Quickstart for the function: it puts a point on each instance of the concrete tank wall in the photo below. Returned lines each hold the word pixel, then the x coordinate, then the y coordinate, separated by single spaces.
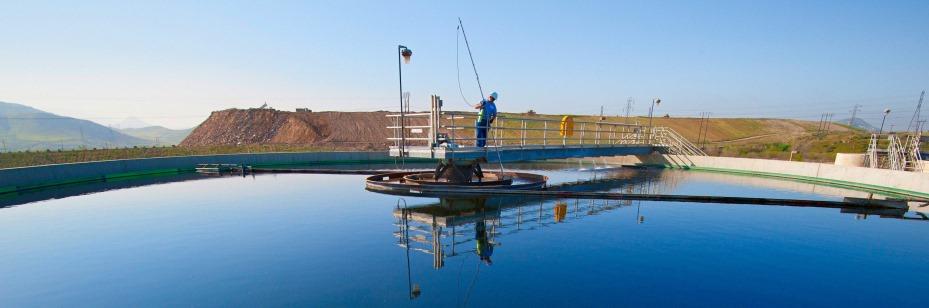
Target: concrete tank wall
pixel 903 182
pixel 849 159
pixel 16 178
pixel 915 182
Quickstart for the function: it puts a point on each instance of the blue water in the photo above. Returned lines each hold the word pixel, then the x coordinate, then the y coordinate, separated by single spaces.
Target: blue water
pixel 322 240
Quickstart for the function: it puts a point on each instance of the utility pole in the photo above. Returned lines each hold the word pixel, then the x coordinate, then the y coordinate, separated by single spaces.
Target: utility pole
pixel 825 124
pixel 702 127
pixel 819 126
pixel 915 118
pixel 851 122
pixel 706 127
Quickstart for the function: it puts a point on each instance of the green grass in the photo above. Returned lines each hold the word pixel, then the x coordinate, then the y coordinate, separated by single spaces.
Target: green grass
pixel 809 148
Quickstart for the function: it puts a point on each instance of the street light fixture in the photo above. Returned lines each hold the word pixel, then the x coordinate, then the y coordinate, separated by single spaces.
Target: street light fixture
pixel 404 53
pixel 886 112
pixel 655 101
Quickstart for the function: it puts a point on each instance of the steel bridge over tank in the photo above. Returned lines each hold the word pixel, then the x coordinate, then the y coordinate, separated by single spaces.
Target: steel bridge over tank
pixel 450 135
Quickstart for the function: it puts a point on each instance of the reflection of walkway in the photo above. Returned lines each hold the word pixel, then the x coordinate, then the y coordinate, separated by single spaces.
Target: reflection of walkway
pixel 447 229
pixel 453 235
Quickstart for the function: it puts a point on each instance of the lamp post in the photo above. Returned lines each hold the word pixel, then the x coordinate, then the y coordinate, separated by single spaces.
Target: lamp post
pixel 655 101
pixel 886 112
pixel 403 53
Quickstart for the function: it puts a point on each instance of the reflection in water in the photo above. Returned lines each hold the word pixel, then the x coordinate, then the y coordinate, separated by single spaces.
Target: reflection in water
pixel 64 191
pixel 442 229
pixel 137 247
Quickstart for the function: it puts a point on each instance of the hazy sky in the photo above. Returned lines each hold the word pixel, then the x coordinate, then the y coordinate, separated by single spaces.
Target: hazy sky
pixel 171 63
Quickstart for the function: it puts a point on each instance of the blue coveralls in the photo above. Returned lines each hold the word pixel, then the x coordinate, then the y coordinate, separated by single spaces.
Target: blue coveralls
pixel 488 111
pixel 484 247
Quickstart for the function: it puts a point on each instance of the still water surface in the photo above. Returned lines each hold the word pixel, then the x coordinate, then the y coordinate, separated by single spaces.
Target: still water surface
pixel 297 239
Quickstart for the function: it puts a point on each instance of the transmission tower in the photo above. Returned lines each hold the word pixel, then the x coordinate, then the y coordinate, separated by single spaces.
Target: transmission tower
pixel 629 103
pixel 851 122
pixel 914 122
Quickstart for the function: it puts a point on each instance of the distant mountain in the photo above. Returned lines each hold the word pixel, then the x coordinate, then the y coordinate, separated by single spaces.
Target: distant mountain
pixel 131 122
pixel 859 123
pixel 158 135
pixel 26 128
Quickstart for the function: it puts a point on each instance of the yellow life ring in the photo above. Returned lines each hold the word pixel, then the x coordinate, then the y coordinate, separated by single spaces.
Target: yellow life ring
pixel 567 126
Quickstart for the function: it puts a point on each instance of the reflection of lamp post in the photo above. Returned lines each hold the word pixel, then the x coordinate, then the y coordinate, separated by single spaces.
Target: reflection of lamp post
pixel 655 101
pixel 404 53
pixel 886 112
pixel 414 290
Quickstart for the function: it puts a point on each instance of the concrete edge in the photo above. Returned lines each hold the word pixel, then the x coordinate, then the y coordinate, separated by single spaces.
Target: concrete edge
pixel 20 179
pixel 890 191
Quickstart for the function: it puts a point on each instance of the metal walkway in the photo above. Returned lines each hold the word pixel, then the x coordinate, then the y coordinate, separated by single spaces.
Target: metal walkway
pixel 451 135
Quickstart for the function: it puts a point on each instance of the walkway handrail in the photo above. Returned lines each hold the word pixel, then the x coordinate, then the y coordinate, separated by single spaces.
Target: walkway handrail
pixel 453 129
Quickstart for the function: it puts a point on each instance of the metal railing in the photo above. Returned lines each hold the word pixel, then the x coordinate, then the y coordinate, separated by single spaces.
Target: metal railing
pixel 454 129
pixel 515 131
pixel 897 155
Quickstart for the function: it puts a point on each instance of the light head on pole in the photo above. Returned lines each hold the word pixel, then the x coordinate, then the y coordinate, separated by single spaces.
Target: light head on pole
pixel 406 53
pixel 887 111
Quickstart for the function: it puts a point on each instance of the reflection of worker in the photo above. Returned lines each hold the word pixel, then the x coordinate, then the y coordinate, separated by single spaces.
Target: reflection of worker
pixel 485 116
pixel 485 248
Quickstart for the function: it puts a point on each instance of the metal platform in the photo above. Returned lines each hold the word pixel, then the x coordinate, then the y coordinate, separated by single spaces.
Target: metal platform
pixel 522 153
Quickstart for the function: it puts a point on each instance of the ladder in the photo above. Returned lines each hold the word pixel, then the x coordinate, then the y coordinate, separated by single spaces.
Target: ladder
pixel 896 153
pixel 870 159
pixel 913 158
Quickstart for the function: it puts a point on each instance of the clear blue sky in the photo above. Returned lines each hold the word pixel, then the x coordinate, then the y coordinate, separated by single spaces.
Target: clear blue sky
pixel 171 63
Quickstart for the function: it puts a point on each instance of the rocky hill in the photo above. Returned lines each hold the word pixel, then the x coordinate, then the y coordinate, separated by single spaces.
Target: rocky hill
pixel 354 130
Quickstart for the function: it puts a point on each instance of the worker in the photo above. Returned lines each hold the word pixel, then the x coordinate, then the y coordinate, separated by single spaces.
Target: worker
pixel 485 117
pixel 485 248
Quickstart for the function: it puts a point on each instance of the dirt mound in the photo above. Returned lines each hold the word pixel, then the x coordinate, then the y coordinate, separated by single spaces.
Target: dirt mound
pixel 352 130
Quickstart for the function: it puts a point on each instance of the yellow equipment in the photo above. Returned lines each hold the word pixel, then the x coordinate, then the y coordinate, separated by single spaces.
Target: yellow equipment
pixel 567 126
pixel 561 210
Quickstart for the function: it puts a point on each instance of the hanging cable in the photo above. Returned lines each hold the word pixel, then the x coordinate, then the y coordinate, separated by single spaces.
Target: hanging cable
pixel 480 88
pixel 458 66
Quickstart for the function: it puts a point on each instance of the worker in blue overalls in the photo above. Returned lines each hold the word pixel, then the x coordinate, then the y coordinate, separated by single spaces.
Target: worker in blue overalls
pixel 485 117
